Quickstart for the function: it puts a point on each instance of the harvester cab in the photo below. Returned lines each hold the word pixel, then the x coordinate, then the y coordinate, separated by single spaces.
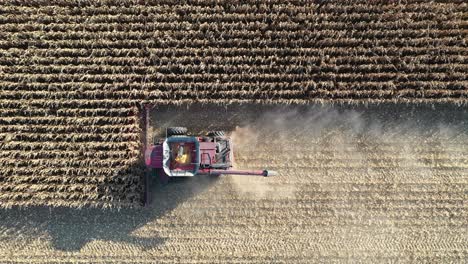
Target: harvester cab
pixel 181 155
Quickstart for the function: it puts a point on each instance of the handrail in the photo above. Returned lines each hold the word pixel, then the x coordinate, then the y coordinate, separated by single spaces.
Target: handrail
pixel 209 157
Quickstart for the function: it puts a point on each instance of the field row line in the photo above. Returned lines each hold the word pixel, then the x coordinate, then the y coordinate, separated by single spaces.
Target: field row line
pixel 148 52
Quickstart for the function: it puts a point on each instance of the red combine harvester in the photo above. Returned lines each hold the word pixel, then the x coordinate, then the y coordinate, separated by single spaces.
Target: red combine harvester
pixel 180 155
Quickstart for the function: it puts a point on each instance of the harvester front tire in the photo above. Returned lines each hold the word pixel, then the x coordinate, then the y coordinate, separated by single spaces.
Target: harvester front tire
pixel 176 131
pixel 216 134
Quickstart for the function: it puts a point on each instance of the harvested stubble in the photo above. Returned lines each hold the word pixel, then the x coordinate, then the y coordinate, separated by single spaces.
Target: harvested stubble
pixel 383 184
pixel 73 77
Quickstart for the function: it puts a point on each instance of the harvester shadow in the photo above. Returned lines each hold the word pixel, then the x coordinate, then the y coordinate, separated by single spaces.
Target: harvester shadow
pixel 71 229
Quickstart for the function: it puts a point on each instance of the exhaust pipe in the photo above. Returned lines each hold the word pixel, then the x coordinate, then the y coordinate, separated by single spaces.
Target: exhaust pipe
pixel 264 173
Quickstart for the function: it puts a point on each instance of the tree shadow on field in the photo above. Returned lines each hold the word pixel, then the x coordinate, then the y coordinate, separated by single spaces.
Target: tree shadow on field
pixel 71 229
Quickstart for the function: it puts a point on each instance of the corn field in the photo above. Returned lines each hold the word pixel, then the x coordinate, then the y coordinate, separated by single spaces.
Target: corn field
pixel 74 76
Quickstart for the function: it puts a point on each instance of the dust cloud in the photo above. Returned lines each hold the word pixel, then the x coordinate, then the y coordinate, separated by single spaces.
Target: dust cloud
pixel 393 138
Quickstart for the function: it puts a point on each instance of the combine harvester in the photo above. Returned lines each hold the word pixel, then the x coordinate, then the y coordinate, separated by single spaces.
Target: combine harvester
pixel 181 155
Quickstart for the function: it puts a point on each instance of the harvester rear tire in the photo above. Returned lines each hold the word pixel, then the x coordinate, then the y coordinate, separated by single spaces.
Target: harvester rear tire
pixel 176 131
pixel 216 134
pixel 156 139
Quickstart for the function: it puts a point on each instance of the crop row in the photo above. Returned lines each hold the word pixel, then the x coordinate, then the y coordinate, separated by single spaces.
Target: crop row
pixel 54 120
pixel 177 16
pixel 176 80
pixel 212 42
pixel 163 54
pixel 67 112
pixel 231 90
pixel 130 92
pixel 120 175
pixel 45 146
pixel 278 6
pixel 75 137
pixel 13 62
pixel 148 29
pixel 65 129
pixel 90 103
pixel 243 92
pixel 224 34
pixel 53 194
pixel 67 163
pixel 20 154
pixel 130 4
pixel 308 90
pixel 89 171
pixel 199 70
